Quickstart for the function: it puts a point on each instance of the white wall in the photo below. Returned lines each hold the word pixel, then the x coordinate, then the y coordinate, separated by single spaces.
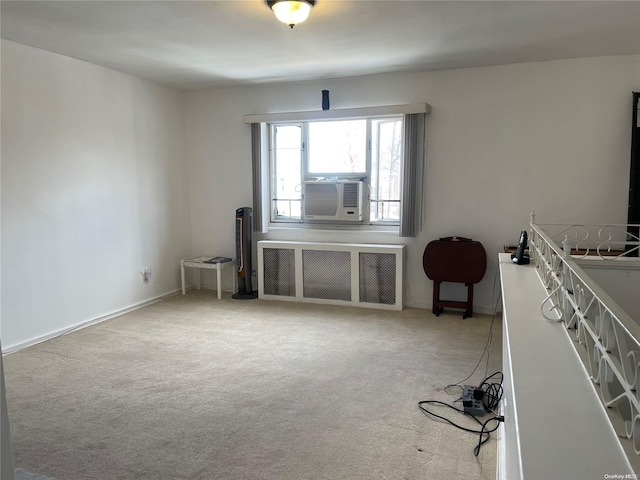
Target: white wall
pixel 95 186
pixel 553 137
pixel 94 189
pixel 620 282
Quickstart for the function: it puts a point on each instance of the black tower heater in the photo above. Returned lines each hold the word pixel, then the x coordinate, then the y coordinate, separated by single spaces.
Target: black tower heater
pixel 243 254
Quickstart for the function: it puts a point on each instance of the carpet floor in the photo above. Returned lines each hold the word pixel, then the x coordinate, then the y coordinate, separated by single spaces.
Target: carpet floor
pixel 196 388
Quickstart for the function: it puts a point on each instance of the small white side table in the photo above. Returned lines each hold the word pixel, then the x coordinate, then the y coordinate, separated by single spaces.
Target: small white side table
pixel 198 263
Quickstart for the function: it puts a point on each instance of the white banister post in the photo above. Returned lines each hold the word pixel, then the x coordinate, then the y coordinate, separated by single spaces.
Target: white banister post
pixel 532 220
pixel 566 306
pixel 566 246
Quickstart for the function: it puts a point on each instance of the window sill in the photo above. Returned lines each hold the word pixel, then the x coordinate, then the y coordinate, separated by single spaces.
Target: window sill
pixel 369 228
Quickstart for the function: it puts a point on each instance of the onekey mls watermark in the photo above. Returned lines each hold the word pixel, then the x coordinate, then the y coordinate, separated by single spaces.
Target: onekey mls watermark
pixel 620 476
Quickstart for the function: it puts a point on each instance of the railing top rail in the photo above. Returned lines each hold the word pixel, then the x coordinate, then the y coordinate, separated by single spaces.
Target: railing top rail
pixel 609 241
pixel 637 225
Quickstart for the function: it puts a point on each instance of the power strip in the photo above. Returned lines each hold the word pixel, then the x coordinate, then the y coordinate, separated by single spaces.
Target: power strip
pixel 472 401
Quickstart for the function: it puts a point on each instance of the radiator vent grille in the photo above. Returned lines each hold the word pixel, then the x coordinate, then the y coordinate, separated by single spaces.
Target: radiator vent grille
pixel 280 273
pixel 378 278
pixel 326 274
pixel 365 275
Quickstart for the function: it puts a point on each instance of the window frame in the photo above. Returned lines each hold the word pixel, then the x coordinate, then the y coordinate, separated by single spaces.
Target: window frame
pixel 371 137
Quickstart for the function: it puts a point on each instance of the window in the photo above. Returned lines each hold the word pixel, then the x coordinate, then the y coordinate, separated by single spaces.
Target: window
pixel 289 153
pixel 386 171
pixel 367 150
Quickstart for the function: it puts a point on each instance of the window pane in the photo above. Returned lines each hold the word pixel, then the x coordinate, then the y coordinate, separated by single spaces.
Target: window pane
pixel 337 147
pixel 386 170
pixel 286 189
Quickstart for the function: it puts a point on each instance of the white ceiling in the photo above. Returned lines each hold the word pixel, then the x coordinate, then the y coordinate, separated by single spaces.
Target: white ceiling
pixel 203 44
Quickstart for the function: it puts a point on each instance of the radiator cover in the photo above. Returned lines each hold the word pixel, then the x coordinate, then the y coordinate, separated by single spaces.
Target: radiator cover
pixel 366 275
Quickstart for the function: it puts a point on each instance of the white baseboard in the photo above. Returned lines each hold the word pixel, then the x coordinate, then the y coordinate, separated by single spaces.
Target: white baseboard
pixel 87 323
pixel 421 305
pixel 483 309
pixel 209 286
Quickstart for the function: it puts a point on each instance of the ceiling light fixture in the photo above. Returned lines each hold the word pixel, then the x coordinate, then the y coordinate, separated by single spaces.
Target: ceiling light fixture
pixel 291 12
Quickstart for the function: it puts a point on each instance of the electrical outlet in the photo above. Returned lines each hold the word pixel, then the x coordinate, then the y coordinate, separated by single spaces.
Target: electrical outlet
pixel 146 275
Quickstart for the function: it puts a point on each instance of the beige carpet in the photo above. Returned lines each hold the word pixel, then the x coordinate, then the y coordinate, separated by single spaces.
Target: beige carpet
pixel 196 388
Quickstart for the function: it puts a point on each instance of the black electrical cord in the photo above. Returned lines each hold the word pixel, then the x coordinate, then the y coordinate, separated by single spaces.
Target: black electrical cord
pixel 438 402
pixel 491 396
pixel 492 391
pixel 485 352
pixel 484 432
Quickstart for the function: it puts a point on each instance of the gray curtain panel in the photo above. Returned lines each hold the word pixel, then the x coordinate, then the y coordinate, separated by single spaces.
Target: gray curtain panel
pixel 260 170
pixel 412 174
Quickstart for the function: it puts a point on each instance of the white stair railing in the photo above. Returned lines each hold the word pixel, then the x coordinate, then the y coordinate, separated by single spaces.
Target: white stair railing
pixel 606 338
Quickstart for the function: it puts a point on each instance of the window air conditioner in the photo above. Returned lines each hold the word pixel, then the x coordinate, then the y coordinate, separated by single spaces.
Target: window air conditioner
pixel 334 201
